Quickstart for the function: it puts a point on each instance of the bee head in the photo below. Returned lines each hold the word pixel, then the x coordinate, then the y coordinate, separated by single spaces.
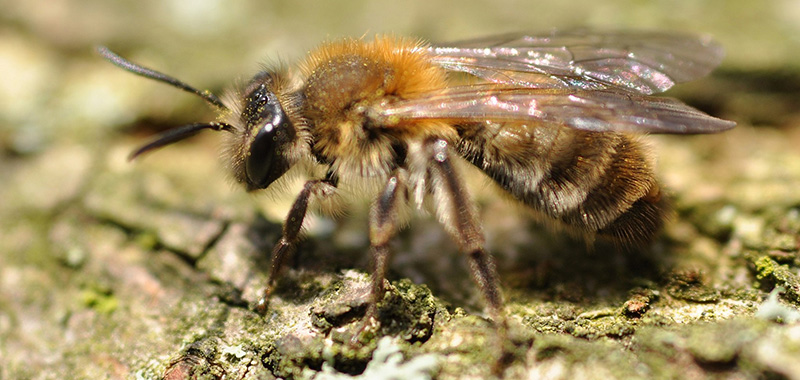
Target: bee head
pixel 262 136
pixel 263 140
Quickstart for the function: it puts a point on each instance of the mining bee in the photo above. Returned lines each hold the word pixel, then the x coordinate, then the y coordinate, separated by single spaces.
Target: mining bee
pixel 552 118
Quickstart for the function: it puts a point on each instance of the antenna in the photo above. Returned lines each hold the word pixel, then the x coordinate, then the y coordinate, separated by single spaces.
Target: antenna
pixel 123 63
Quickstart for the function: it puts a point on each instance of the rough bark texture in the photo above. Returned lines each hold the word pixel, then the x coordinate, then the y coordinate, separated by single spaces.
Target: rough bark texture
pixel 111 269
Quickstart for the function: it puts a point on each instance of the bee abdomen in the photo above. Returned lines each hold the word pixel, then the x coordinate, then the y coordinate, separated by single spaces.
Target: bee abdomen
pixel 594 184
pixel 625 204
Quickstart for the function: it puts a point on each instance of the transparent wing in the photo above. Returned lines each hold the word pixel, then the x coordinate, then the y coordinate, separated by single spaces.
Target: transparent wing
pixel 637 61
pixel 595 110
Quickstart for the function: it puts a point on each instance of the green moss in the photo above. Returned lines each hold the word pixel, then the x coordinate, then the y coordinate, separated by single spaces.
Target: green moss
pixel 386 364
pixel 719 343
pixel 722 347
pixel 99 298
pixel 342 339
pixel 147 240
pixel 771 273
pixel 612 326
pixel 690 286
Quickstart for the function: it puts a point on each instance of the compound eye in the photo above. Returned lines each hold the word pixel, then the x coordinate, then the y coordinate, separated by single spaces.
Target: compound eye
pixel 255 105
pixel 266 162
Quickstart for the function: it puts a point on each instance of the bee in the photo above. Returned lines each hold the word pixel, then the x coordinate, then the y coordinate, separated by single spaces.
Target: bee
pixel 552 118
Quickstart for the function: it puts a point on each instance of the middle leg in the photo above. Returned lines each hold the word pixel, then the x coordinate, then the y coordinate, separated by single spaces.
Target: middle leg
pixel 383 225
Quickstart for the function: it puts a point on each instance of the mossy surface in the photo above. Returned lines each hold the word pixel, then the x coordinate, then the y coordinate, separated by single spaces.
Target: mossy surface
pixel 145 270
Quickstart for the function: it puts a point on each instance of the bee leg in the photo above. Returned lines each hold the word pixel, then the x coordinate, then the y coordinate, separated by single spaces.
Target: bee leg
pixel 291 235
pixel 457 213
pixel 383 222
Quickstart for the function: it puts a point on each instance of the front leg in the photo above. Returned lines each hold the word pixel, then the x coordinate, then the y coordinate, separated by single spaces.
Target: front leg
pixel 291 234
